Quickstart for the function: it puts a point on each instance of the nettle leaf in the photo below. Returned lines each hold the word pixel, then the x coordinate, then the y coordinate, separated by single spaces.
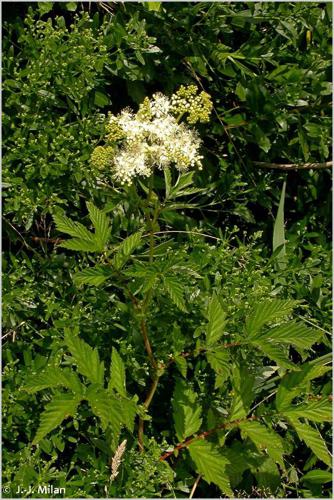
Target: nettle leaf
pixel 264 439
pixel 220 362
pixel 86 358
pixel 295 383
pixel 105 406
pixel 267 311
pixel 211 464
pixel 317 411
pixel 243 388
pixel 93 275
pixel 277 354
pixel 186 410
pixel 53 377
pixel 217 320
pixel 313 439
pixel 175 291
pixel 295 333
pixel 101 223
pixel 62 406
pixel 117 373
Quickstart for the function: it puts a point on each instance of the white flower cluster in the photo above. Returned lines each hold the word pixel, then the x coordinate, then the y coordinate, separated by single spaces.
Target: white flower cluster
pixel 151 138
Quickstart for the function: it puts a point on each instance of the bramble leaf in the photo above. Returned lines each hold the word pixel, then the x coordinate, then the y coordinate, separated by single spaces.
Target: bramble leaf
pixel 211 464
pixel 216 317
pixel 186 410
pixel 86 358
pixel 117 373
pixel 62 406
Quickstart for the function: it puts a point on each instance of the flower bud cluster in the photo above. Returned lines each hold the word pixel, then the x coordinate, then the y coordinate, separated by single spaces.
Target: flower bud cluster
pixel 153 137
pixel 102 157
pixel 196 107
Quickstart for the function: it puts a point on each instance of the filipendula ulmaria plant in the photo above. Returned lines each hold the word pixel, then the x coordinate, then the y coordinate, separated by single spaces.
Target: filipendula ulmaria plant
pixel 254 401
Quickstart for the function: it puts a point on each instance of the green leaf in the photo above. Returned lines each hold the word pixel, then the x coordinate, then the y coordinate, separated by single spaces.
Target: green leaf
pixel 117 373
pixel 44 7
pixel 86 358
pixel 277 354
pixel 101 99
pixel 106 407
pixel 313 439
pixel 186 410
pixel 318 476
pixel 267 311
pixel 101 223
pixel 211 464
pixel 264 439
pixel 216 317
pixel 295 383
pixel 181 364
pixel 295 333
pixel 220 362
pixel 155 6
pixel 126 248
pixel 243 389
pixel 75 229
pixel 168 182
pixel 51 378
pixel 80 245
pixel 62 406
pixel 279 228
pixel 71 6
pixel 175 291
pixel 128 409
pixel 93 275
pixel 317 411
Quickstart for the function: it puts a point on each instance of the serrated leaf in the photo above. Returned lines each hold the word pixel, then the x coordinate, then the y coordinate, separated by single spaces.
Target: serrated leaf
pixel 264 439
pixel 93 275
pixel 211 464
pixel 186 410
pixel 62 406
pixel 126 248
pixel 317 411
pixel 220 362
pixel 279 228
pixel 86 358
pixel 128 408
pixel 267 311
pixel 53 377
pixel 294 333
pixel 175 291
pixel 105 406
pixel 101 223
pixel 181 364
pixel 293 384
pixel 243 389
pixel 216 317
pixel 277 354
pixel 313 439
pixel 75 229
pixel 80 245
pixel 117 373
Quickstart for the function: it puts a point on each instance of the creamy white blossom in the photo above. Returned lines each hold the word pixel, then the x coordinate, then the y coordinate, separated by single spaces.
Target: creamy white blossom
pixel 151 138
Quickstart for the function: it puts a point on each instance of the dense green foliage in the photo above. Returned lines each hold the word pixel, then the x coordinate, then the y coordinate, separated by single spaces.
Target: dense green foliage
pixel 188 315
